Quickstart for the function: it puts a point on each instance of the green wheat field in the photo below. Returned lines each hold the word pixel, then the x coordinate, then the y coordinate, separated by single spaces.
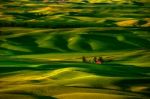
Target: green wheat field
pixel 43 42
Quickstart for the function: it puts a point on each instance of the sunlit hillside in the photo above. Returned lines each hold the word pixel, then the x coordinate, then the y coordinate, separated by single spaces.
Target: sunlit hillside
pixel 37 27
pixel 43 42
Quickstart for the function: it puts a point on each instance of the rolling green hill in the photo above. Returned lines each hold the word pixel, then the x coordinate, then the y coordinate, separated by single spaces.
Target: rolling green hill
pixel 42 44
pixel 44 28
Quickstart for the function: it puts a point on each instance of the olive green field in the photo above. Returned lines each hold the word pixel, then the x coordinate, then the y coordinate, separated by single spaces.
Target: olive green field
pixel 42 43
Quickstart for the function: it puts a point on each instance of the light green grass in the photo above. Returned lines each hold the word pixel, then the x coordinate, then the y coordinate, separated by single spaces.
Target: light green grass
pixel 42 44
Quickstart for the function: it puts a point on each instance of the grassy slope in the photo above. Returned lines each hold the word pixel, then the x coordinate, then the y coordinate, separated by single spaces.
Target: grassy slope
pixel 65 80
pixel 40 78
pixel 41 48
pixel 48 29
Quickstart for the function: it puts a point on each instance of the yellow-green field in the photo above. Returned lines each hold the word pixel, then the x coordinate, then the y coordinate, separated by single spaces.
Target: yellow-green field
pixel 42 43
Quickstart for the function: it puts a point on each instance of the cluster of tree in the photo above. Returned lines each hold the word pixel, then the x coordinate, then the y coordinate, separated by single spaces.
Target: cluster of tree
pixel 96 60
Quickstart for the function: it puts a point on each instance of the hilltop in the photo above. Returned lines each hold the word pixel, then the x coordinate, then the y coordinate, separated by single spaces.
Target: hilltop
pixel 42 45
pixel 36 27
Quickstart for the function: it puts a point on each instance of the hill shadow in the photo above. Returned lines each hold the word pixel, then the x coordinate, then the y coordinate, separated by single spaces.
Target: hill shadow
pixel 107 69
pixel 121 70
pixel 36 96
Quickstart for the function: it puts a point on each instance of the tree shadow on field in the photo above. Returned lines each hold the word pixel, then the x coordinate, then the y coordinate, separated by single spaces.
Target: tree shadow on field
pixel 121 70
pixel 106 69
